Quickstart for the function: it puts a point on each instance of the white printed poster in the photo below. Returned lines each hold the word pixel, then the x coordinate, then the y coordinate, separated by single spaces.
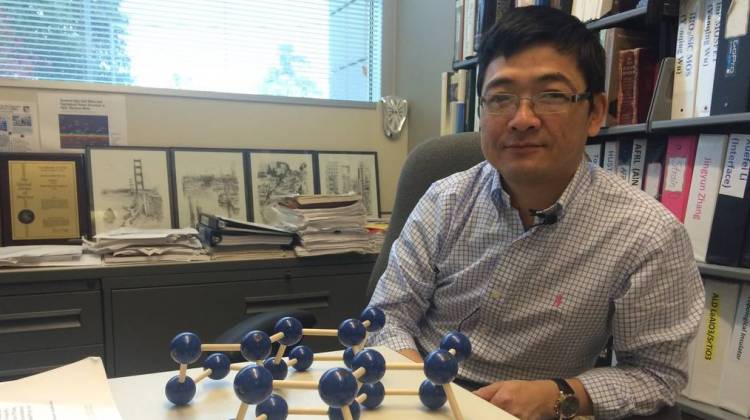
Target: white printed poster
pixel 19 131
pixel 74 121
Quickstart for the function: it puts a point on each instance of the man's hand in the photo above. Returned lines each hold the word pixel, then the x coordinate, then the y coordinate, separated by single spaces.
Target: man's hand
pixel 412 354
pixel 523 399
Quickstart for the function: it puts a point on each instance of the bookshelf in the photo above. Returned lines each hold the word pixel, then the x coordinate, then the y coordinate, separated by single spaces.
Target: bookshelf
pixel 659 18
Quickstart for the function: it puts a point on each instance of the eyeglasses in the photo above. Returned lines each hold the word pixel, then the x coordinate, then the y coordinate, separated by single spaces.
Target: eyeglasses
pixel 543 102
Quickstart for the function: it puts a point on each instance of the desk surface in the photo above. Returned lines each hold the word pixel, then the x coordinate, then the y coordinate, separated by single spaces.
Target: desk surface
pixel 142 397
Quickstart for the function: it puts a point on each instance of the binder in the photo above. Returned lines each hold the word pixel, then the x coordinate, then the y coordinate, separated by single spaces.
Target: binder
pixel 733 204
pixel 638 163
pixel 731 81
pixel 735 379
pixel 678 171
pixel 687 54
pixel 708 52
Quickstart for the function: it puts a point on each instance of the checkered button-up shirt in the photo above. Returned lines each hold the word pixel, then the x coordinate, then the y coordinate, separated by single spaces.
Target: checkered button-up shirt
pixel 542 303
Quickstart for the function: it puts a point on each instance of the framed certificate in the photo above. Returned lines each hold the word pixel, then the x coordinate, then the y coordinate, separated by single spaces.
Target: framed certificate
pixel 43 198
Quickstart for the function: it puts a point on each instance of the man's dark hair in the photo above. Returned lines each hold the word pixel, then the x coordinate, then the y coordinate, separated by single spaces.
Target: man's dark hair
pixel 524 27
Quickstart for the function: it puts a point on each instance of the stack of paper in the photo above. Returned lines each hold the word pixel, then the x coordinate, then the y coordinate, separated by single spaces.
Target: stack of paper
pixel 45 256
pixel 127 245
pixel 331 226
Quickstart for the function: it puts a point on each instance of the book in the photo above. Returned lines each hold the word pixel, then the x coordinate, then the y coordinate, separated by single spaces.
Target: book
pixel 704 191
pixel 615 40
pixel 713 340
pixel 687 54
pixel 678 171
pixel 470 13
pixel 731 81
pixel 732 205
pixel 735 378
pixel 445 100
pixel 488 12
pixel 637 75
pixel 458 42
pixel 707 63
pixel 637 163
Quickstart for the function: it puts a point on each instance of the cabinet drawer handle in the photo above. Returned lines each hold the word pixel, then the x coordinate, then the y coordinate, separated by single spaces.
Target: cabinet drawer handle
pixel 40 321
pixel 255 305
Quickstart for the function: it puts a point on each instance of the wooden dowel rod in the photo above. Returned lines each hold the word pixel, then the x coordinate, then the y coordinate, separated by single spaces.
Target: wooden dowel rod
pixel 453 402
pixel 295 384
pixel 203 375
pixel 359 372
pixel 401 391
pixel 452 352
pixel 241 412
pixel 313 411
pixel 279 354
pixel 361 398
pixel 261 417
pixel 183 372
pixel 320 332
pixel 328 357
pixel 292 362
pixel 220 347
pixel 346 412
pixel 366 323
pixel 276 337
pixel 404 366
pixel 238 366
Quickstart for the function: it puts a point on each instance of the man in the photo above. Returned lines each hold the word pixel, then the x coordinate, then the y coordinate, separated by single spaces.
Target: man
pixel 539 256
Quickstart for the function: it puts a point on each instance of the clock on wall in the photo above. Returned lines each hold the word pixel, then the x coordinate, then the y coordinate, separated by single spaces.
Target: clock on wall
pixel 394 115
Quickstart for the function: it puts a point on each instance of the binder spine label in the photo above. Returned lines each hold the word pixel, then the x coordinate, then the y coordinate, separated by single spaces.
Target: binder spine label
pixel 736 166
pixel 743 329
pixel 712 327
pixel 675 174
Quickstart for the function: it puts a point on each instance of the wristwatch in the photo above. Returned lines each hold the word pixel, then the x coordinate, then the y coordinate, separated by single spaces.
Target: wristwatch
pixel 566 406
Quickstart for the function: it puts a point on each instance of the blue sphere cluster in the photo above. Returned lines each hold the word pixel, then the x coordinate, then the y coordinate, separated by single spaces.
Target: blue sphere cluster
pixel 337 414
pixel 337 387
pixel 348 357
pixel 255 345
pixel 185 348
pixel 180 393
pixel 292 329
pixel 458 342
pixel 274 407
pixel 375 394
pixel 374 364
pixel 278 371
pixel 375 316
pixel 432 396
pixel 440 367
pixel 253 384
pixel 219 365
pixel 351 332
pixel 304 356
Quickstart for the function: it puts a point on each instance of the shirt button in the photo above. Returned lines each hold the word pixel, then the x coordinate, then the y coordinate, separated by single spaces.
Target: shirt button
pixel 495 294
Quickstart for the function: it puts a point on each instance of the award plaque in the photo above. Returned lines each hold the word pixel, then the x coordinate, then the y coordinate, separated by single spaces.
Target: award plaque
pixel 41 199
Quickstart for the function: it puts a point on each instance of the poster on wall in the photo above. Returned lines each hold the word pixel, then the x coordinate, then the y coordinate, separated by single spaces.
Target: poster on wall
pixel 347 172
pixel 19 131
pixel 278 173
pixel 75 121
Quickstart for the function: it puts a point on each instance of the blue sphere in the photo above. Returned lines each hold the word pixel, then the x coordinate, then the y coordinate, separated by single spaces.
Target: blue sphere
pixel 337 387
pixel 348 357
pixel 219 365
pixel 459 342
pixel 337 414
pixel 351 332
pixel 185 348
pixel 432 396
pixel 255 345
pixel 375 316
pixel 304 356
pixel 374 364
pixel 375 394
pixel 253 384
pixel 292 329
pixel 274 407
pixel 277 371
pixel 180 393
pixel 440 367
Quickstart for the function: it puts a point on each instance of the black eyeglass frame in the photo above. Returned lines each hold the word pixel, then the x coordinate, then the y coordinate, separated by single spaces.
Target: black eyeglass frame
pixel 571 99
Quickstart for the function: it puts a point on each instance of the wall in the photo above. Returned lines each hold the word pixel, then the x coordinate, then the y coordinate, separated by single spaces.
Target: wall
pixel 159 120
pixel 423 52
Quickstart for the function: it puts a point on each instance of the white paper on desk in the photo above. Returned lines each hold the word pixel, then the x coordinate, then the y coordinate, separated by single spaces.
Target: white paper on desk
pixel 135 233
pixel 76 391
pixel 40 251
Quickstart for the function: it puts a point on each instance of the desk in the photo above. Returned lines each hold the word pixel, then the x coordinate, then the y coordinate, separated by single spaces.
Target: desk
pixel 142 397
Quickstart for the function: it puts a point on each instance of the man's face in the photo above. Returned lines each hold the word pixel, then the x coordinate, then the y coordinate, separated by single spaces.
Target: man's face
pixel 529 147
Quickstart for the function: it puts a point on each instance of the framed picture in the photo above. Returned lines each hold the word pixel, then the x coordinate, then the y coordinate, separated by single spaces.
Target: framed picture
pixel 129 187
pixel 43 198
pixel 210 181
pixel 344 172
pixel 279 172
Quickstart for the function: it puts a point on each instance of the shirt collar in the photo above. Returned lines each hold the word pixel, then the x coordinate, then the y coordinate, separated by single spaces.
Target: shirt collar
pixel 581 179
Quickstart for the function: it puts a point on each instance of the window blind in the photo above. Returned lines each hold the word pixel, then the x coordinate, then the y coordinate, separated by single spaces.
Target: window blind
pixel 328 49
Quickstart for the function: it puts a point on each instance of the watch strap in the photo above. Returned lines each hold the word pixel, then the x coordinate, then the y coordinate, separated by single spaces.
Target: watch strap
pixel 563 386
